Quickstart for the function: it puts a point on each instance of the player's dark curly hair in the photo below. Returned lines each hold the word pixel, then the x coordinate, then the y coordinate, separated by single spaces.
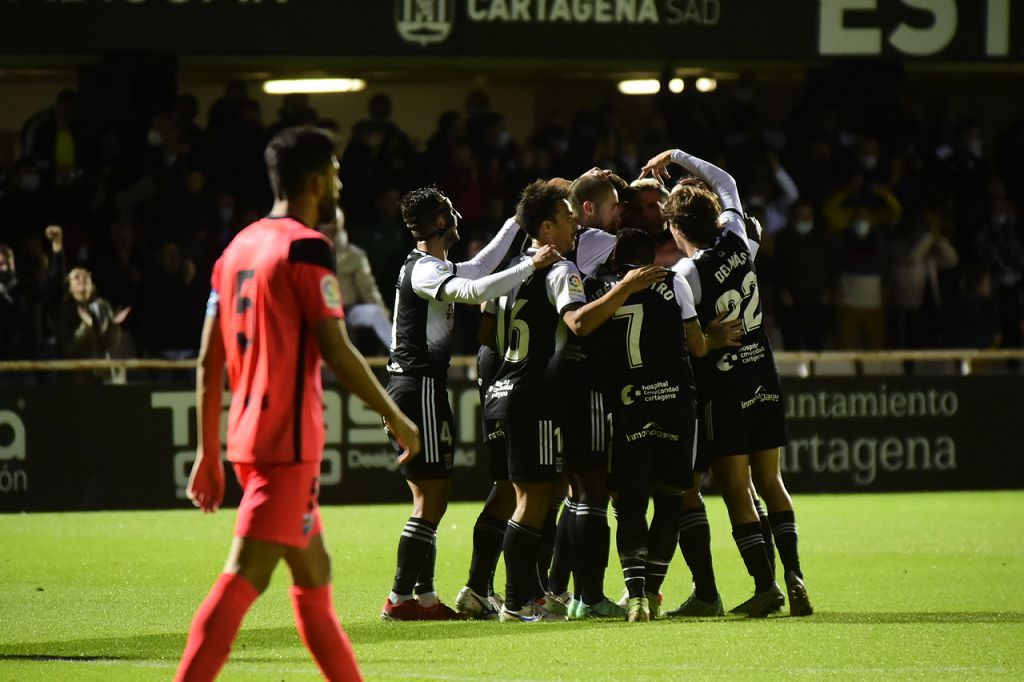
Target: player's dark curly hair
pixel 296 153
pixel 421 207
pixel 634 247
pixel 539 202
pixel 693 211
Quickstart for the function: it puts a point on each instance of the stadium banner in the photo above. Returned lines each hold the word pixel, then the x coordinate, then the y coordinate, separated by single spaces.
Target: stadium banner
pixel 806 30
pixel 132 447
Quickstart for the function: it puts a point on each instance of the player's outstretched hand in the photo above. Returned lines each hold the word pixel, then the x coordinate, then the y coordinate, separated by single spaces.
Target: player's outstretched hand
pixel 206 483
pixel 406 433
pixel 658 166
pixel 722 333
pixel 545 256
pixel 641 278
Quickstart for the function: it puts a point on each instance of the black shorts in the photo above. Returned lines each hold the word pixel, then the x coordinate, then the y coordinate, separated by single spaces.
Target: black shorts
pixel 654 446
pixel 586 430
pixel 497 449
pixel 424 400
pixel 533 449
pixel 731 426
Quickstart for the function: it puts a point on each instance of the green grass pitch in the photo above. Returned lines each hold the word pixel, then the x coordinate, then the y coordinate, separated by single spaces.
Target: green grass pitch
pixel 921 586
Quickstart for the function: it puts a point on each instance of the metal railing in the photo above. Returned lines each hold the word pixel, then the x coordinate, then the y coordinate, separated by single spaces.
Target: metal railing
pixel 792 362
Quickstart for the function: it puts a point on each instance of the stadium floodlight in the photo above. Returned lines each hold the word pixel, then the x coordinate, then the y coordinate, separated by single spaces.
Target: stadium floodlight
pixel 313 85
pixel 677 85
pixel 645 86
pixel 706 84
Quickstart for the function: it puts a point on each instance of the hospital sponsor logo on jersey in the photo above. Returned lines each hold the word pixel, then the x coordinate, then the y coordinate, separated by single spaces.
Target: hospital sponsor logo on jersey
pixel 761 395
pixel 746 355
pixel 424 22
pixel 330 291
pixel 651 430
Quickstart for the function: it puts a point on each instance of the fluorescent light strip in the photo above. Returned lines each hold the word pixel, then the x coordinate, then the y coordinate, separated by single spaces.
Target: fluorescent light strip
pixel 313 85
pixel 648 86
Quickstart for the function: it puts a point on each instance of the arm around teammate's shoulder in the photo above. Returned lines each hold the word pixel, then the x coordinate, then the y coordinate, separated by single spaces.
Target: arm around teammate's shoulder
pixel 584 320
pixel 354 373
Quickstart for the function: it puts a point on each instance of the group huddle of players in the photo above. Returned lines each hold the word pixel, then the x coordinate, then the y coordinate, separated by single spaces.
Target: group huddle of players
pixel 603 377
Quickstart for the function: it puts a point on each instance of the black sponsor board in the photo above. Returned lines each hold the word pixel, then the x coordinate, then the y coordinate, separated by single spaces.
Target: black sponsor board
pixel 949 31
pixel 131 447
pixel 904 433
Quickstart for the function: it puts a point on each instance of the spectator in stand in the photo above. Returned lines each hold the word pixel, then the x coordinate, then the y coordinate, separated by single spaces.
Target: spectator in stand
pixel 805 263
pixel 872 201
pixel 226 112
pixel 87 326
pixel 398 156
pixel 51 139
pixel 772 196
pixel 1001 248
pixel 978 319
pixel 172 309
pixel 15 316
pixel 295 110
pixel 184 115
pixel 364 306
pixel 450 129
pixel 916 300
pixel 384 237
pixel 861 307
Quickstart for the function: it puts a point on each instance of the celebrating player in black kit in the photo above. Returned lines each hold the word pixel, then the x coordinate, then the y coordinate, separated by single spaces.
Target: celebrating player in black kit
pixel 533 323
pixel 648 382
pixel 428 287
pixel 740 410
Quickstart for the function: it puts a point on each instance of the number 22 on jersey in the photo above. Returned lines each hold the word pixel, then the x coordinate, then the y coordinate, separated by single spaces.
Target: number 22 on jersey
pixel 748 299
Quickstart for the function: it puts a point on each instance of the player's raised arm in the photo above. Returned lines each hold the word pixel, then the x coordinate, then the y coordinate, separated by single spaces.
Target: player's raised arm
pixel 720 182
pixel 352 370
pixel 508 243
pixel 206 482
pixel 461 290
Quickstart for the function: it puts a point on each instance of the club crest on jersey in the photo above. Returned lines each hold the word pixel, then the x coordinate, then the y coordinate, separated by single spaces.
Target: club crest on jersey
pixel 424 21
pixel 330 291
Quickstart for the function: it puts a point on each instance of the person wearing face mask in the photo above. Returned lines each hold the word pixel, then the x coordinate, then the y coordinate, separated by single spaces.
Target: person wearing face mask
pixel 883 209
pixel 805 256
pixel 861 311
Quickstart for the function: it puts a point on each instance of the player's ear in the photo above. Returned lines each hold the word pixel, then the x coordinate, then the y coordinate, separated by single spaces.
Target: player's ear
pixel 316 184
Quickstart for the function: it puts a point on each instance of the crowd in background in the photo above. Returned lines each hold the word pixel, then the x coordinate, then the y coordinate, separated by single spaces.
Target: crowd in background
pixel 885 227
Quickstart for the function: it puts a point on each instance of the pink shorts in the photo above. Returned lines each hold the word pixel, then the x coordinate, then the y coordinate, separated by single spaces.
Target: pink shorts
pixel 279 503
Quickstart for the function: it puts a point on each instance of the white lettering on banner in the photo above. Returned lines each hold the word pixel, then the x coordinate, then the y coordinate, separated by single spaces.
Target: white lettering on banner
pixel 13 481
pixel 385 459
pixel 699 12
pixel 863 458
pixel 14 448
pixel 879 403
pixel 836 37
pixel 182 406
pixel 703 12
